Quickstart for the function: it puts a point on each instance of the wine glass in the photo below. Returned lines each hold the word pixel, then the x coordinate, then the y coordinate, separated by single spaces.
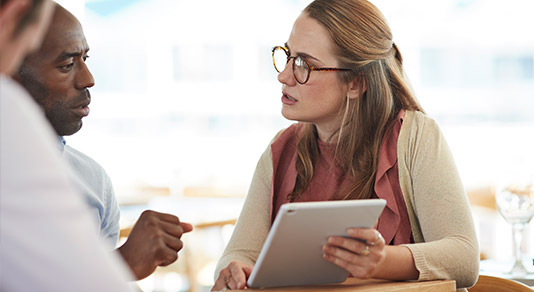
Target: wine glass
pixel 515 201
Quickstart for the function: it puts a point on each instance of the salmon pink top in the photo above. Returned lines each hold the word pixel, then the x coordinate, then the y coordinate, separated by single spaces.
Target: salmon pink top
pixel 328 179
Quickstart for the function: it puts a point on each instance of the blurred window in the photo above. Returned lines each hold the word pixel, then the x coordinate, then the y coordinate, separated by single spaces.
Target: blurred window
pixel 186 91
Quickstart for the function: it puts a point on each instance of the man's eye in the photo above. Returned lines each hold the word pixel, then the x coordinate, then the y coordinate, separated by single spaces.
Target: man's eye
pixel 85 57
pixel 67 67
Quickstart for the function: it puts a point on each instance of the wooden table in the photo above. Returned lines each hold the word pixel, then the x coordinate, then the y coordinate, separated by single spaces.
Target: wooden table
pixel 499 268
pixel 352 284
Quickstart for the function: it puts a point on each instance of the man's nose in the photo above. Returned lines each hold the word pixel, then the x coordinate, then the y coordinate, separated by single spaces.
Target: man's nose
pixel 85 78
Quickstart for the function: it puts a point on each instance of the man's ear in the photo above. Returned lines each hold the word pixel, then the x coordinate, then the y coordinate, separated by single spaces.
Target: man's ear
pixel 357 87
pixel 10 15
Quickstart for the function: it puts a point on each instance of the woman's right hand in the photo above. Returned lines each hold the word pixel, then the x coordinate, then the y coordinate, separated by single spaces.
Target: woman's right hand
pixel 234 276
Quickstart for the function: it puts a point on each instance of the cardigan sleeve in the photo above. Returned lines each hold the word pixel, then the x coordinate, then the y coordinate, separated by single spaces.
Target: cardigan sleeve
pixel 253 224
pixel 446 245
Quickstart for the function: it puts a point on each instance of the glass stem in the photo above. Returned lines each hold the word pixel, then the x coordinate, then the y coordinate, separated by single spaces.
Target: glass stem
pixel 517 237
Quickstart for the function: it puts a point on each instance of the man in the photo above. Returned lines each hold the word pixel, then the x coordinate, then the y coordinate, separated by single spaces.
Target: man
pixel 44 243
pixel 59 80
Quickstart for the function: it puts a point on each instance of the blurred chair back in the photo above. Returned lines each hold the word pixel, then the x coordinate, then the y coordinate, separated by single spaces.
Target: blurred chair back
pixel 482 197
pixel 496 284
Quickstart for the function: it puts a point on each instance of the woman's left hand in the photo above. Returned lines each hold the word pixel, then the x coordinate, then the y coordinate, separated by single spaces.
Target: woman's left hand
pixel 362 254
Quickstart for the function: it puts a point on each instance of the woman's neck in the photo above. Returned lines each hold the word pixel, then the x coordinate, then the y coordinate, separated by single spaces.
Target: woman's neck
pixel 326 134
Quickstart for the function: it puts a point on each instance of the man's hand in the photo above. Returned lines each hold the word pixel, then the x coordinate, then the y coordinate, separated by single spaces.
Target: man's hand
pixel 154 241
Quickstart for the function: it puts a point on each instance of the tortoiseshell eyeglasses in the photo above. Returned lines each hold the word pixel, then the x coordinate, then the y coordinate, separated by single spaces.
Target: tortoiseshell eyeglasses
pixel 301 68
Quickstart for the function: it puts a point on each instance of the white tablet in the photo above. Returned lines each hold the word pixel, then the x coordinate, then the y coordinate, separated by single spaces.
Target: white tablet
pixel 292 252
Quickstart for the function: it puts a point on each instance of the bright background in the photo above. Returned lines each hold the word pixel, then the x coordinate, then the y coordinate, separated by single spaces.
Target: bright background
pixel 186 100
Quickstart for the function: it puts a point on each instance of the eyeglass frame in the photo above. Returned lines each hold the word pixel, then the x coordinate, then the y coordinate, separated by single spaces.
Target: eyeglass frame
pixel 310 67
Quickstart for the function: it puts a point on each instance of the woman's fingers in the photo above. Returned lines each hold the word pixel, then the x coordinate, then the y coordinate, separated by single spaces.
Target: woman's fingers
pixel 349 255
pixel 379 240
pixel 361 254
pixel 370 236
pixel 238 275
pixel 232 277
pixel 361 272
pixel 232 284
pixel 220 283
pixel 355 246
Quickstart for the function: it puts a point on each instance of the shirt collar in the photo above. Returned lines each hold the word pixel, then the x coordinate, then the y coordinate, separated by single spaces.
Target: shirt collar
pixel 62 143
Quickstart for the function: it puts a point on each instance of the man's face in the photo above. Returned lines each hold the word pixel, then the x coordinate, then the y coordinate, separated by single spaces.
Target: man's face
pixel 57 76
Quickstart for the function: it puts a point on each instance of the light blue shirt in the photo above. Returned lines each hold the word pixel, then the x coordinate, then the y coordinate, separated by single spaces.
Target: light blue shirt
pixel 97 189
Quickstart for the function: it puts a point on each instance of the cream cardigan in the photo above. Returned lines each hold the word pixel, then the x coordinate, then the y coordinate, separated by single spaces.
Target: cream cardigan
pixel 445 245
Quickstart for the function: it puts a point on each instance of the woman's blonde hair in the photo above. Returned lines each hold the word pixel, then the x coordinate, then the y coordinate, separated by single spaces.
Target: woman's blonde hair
pixel 362 41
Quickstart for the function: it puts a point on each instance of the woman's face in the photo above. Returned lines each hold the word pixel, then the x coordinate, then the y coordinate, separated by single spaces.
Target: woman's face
pixel 319 100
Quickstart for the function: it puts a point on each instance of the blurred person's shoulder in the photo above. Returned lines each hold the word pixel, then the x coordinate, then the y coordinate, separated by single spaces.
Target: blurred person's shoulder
pixel 14 97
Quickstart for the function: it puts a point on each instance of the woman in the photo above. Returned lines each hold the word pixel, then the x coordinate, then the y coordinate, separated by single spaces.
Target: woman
pixel 360 134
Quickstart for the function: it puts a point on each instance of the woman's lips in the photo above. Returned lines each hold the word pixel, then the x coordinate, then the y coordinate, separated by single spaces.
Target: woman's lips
pixel 287 99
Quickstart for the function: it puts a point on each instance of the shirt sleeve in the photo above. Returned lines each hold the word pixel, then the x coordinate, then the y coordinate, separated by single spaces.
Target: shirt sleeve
pixel 446 244
pixel 110 227
pixel 253 224
pixel 97 189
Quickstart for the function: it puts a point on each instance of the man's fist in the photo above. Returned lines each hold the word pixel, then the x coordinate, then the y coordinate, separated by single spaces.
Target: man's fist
pixel 154 241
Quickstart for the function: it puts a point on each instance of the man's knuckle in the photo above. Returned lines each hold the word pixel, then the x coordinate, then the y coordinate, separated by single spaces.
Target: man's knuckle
pixel 147 213
pixel 173 256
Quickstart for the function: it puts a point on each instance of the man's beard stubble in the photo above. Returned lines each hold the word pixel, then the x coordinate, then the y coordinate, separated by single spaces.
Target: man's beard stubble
pixel 56 112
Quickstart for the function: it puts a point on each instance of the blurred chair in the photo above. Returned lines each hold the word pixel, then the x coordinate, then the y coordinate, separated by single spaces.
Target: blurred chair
pixel 482 197
pixel 482 201
pixel 215 224
pixel 197 257
pixel 495 284
pixel 125 231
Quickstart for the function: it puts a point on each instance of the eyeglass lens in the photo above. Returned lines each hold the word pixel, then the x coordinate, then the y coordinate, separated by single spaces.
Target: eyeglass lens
pixel 300 70
pixel 300 67
pixel 280 59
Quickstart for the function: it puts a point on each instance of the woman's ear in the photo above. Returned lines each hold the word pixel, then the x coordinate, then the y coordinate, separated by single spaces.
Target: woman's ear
pixel 357 87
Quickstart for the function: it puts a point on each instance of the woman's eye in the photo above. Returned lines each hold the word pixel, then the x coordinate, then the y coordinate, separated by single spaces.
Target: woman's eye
pixel 300 62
